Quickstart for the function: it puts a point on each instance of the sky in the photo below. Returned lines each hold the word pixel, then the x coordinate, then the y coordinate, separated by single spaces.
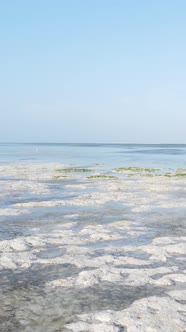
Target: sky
pixel 108 71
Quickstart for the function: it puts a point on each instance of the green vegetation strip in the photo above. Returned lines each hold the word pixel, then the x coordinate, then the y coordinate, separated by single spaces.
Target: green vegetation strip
pixel 61 177
pixel 74 170
pixel 135 169
pixel 101 176
pixel 170 175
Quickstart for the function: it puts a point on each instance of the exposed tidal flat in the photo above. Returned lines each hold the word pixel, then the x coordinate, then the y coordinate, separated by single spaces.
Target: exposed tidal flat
pixel 92 248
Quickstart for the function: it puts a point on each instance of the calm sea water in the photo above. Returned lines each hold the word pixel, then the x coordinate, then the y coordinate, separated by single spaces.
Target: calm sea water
pixel 161 155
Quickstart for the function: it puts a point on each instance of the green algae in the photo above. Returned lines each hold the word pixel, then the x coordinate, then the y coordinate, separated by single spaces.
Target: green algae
pixel 168 175
pixel 135 169
pixel 180 174
pixel 74 170
pixel 132 172
pixel 60 176
pixel 172 175
pixel 150 175
pixel 130 175
pixel 101 176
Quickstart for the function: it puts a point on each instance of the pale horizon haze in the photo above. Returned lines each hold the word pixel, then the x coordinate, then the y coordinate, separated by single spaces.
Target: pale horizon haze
pixel 93 71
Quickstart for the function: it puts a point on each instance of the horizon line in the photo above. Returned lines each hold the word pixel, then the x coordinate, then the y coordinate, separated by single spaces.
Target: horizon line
pixel 91 143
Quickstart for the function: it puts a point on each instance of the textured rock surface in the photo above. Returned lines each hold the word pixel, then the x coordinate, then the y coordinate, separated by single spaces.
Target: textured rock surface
pixel 79 255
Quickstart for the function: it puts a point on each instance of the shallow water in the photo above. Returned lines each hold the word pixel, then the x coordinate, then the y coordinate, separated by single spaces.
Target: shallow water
pixel 71 245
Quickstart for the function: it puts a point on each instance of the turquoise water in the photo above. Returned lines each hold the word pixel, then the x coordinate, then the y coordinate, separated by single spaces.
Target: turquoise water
pixel 110 155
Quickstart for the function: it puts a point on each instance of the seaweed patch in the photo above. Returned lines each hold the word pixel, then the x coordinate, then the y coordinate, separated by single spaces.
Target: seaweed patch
pixel 74 170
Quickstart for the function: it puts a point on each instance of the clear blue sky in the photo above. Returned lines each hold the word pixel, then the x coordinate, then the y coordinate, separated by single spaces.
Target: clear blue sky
pixel 93 71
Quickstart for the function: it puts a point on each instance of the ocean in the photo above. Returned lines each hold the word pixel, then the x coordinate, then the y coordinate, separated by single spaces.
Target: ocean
pixel 111 155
